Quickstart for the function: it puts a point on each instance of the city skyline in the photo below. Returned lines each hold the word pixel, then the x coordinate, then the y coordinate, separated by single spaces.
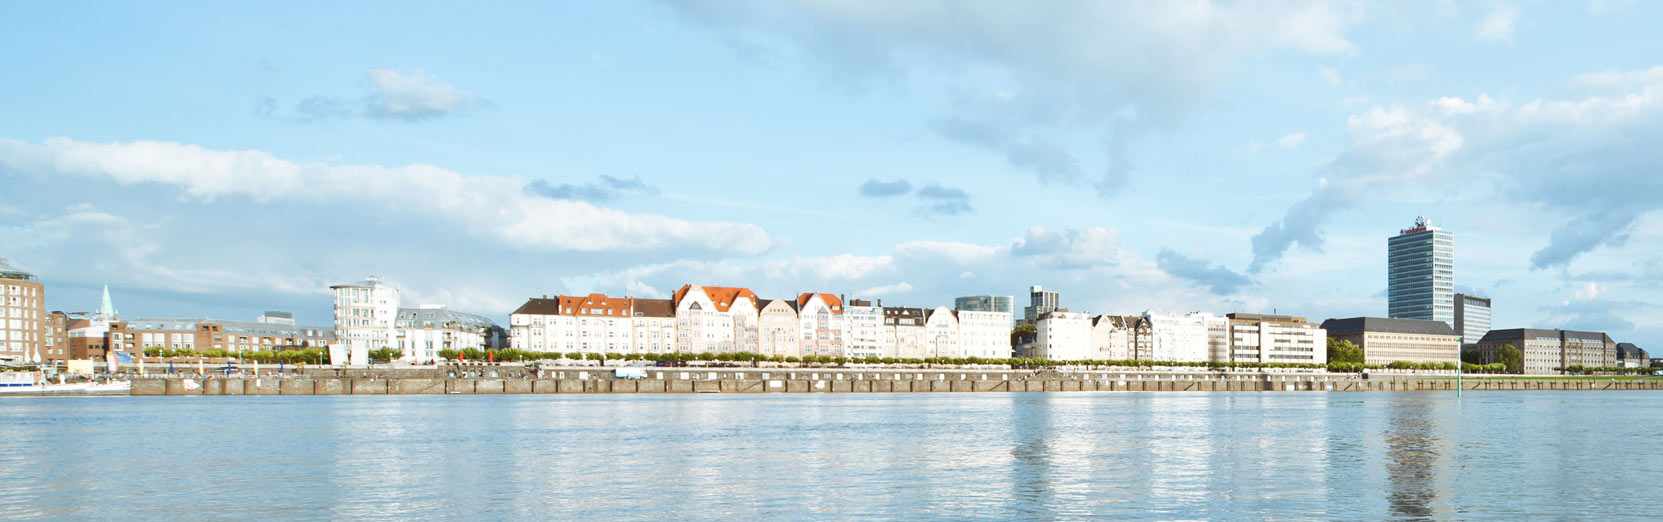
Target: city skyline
pixel 758 144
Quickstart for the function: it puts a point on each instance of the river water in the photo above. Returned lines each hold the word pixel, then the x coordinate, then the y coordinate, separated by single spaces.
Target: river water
pixel 1353 456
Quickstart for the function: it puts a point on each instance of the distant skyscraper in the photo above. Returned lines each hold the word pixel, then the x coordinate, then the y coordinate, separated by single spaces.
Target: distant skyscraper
pixel 1420 274
pixel 1041 302
pixel 1472 318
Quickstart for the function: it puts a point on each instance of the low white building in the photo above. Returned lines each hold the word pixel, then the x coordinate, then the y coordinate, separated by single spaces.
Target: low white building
pixel 1181 338
pixel 941 333
pixel 426 330
pixel 863 329
pixel 905 334
pixel 984 334
pixel 1260 338
pixel 1064 336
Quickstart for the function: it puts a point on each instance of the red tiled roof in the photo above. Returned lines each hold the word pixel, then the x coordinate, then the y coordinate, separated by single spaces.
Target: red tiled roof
pixel 722 296
pixel 832 302
pixel 595 305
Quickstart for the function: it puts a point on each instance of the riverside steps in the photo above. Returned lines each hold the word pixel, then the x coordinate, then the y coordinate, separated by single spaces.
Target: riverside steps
pixel 496 380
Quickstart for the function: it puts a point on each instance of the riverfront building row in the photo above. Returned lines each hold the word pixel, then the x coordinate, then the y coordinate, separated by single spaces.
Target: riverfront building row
pixel 719 319
pixel 1194 337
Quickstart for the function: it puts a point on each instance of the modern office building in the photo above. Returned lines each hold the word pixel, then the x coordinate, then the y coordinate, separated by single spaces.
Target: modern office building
pixel 1262 338
pixel 863 334
pixel 1472 318
pixel 1548 352
pixel 987 303
pixel 23 317
pixel 1041 302
pixel 1385 341
pixel 1420 274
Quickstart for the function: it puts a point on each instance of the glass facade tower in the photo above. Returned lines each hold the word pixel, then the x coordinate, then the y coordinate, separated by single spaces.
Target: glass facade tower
pixel 1420 274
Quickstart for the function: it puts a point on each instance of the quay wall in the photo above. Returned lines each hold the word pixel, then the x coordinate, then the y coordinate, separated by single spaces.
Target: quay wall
pixel 754 380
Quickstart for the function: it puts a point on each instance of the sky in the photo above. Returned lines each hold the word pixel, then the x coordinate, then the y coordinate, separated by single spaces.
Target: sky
pixel 218 160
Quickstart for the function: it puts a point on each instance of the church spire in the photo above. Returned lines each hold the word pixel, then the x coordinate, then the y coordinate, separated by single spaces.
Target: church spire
pixel 107 309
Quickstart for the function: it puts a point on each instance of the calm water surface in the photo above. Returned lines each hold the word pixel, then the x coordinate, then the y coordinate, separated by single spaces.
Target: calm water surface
pixel 1356 456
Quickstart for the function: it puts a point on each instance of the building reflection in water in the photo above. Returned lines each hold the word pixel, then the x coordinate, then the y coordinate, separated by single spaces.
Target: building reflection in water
pixel 1031 433
pixel 1414 449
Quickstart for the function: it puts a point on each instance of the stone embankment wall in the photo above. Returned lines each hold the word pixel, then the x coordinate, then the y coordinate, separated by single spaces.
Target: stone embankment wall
pixel 750 380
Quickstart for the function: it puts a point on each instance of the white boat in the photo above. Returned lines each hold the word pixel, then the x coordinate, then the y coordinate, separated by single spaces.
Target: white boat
pixel 20 383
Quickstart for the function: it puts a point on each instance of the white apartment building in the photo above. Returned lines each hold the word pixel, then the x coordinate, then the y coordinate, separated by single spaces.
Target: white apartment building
pixel 594 324
pixel 745 312
pixel 941 333
pixel 652 326
pixel 426 330
pixel 820 323
pixel 1276 339
pixel 1064 336
pixel 1114 337
pixel 863 329
pixel 366 316
pixel 904 333
pixel 1181 337
pixel 778 331
pixel 705 317
pixel 985 334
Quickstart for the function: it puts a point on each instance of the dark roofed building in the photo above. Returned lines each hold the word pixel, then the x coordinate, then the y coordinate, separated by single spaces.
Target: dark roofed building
pixel 1385 341
pixel 1548 352
pixel 1631 356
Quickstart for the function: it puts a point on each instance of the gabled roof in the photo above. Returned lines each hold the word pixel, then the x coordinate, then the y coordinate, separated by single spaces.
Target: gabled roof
pixel 832 302
pixel 1382 324
pixel 722 296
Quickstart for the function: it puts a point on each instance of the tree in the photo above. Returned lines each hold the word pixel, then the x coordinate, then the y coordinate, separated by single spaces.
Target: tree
pixel 1512 358
pixel 1023 331
pixel 1344 351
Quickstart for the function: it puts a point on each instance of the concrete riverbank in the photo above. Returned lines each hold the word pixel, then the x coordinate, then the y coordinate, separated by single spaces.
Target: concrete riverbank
pixel 750 380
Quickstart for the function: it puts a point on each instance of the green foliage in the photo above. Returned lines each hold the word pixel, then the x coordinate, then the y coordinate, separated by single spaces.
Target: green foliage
pixel 1483 368
pixel 1512 358
pixel 385 355
pixel 1343 351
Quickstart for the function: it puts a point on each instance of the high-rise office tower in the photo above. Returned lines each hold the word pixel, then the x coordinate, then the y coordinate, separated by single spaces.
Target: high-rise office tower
pixel 1420 274
pixel 1472 318
pixel 1040 302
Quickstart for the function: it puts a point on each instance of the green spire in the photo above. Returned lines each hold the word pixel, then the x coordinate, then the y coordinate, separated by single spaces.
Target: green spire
pixel 107 309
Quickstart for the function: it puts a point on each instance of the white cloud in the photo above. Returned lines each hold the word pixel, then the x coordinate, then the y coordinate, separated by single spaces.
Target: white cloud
pixel 842 267
pixel 1497 25
pixel 1023 83
pixel 1559 154
pixel 494 206
pixel 1091 247
pixel 1291 140
pixel 413 96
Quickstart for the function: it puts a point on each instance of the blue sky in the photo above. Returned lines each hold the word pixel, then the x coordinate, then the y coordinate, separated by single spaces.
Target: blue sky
pixel 225 159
